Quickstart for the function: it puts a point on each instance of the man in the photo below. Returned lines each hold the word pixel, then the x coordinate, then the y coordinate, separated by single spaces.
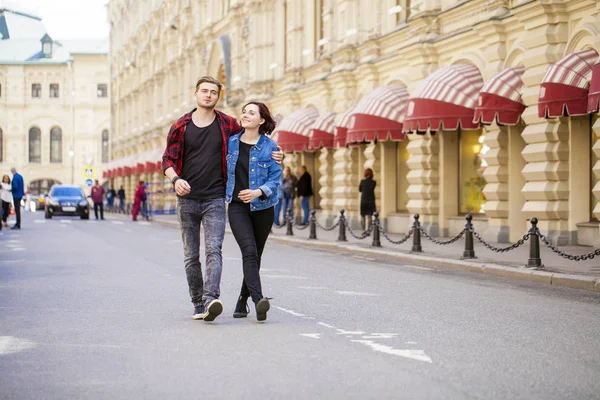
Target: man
pixel 305 191
pixel 198 171
pixel 18 191
pixel 97 198
pixel 110 198
pixel 121 195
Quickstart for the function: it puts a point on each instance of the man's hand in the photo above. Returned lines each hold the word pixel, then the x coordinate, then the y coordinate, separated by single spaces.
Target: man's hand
pixel 248 195
pixel 278 155
pixel 182 187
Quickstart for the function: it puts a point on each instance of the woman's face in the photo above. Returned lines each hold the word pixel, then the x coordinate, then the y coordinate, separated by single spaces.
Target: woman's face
pixel 251 117
pixel 5 179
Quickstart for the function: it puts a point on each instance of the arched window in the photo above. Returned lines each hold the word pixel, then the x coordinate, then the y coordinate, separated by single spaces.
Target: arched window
pixel 105 146
pixel 35 145
pixel 55 145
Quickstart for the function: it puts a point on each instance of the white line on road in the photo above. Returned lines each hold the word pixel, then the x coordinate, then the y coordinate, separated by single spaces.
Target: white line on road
pixel 311 335
pixel 18 249
pixel 326 325
pixel 416 267
pixel 418 355
pixel 294 313
pixel 348 293
pixel 411 342
pixel 284 276
pixel 40 221
pixel 11 345
pixel 14 261
pixel 117 222
pixel 380 336
pixel 344 332
pixel 313 287
pixel 143 223
pixel 13 241
pixel 66 221
pixel 92 222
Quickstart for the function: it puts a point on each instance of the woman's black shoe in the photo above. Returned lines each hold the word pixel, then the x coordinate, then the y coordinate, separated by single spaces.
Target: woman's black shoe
pixel 241 308
pixel 262 307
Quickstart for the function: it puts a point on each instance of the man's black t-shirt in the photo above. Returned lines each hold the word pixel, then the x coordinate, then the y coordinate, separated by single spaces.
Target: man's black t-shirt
pixel 202 163
pixel 242 177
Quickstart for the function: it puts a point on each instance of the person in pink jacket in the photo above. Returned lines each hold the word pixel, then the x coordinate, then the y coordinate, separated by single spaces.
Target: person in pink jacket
pixel 140 195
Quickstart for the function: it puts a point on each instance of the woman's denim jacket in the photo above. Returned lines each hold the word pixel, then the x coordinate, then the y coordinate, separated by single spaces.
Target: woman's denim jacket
pixel 265 173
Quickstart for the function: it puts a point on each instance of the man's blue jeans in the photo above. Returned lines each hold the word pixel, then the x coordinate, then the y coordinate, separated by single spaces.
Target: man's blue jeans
pixel 211 214
pixel 288 204
pixel 122 205
pixel 305 208
pixel 278 211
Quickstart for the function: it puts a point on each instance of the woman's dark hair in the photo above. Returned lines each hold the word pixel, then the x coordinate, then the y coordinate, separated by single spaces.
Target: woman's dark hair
pixel 368 173
pixel 6 176
pixel 269 125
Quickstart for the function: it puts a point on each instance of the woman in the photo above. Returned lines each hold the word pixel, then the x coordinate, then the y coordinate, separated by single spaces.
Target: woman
pixel 367 197
pixel 140 195
pixel 289 191
pixel 252 194
pixel 7 199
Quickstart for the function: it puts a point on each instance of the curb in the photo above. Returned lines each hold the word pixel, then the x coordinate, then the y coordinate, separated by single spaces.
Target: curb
pixel 588 283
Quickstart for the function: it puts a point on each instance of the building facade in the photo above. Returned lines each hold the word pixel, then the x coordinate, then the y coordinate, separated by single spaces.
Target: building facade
pixel 474 106
pixel 54 104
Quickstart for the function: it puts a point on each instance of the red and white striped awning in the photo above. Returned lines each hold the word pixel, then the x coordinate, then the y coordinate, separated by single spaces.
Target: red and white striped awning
pixel 378 116
pixel 293 133
pixel 564 89
pixel 445 100
pixel 500 98
pixel 322 132
pixel 341 128
pixel 594 94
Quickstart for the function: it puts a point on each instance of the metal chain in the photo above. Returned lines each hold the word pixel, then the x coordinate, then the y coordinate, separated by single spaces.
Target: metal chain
pixel 582 257
pixel 454 239
pixel 330 228
pixel 300 227
pixel 364 235
pixel 404 239
pixel 513 246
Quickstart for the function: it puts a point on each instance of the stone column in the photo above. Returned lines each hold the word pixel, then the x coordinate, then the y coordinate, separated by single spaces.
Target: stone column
pixel 596 170
pixel 344 181
pixel 387 188
pixel 449 178
pixel 372 160
pixel 579 174
pixel 326 180
pixel 423 179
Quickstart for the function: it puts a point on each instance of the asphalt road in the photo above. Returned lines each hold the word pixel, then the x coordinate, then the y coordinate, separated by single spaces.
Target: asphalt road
pixel 100 310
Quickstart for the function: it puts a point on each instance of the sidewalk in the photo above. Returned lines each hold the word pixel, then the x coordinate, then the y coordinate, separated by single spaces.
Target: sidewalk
pixel 557 270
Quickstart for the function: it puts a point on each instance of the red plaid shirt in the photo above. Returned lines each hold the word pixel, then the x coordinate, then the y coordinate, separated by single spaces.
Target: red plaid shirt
pixel 173 155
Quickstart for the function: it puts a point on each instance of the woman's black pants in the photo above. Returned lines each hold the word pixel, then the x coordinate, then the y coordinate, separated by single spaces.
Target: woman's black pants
pixel 251 230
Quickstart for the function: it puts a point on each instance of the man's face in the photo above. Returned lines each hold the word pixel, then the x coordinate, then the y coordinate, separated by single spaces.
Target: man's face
pixel 96 182
pixel 207 95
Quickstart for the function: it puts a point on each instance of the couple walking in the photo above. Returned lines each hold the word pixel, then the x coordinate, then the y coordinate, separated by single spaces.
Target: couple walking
pixel 211 159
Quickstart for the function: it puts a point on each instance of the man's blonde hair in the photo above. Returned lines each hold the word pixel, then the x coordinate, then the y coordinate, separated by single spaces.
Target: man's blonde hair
pixel 209 79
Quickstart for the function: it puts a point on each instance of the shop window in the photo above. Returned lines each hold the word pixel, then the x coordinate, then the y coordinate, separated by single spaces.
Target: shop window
pixel 35 145
pixel 471 167
pixel 55 145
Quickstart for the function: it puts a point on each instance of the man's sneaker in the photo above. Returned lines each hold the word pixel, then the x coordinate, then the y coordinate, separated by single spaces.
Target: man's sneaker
pixel 262 307
pixel 213 310
pixel 241 308
pixel 198 312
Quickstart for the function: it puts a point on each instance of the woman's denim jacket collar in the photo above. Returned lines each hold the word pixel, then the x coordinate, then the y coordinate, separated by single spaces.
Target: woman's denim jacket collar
pixel 264 172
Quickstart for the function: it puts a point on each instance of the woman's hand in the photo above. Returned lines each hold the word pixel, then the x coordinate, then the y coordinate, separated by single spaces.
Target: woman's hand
pixel 278 155
pixel 248 195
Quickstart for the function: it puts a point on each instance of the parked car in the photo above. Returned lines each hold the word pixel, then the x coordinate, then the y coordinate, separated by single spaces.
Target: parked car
pixel 67 200
pixel 38 200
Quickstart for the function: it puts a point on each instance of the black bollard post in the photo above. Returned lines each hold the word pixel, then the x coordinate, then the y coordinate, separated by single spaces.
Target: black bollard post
pixel 289 231
pixel 342 235
pixel 313 225
pixel 469 250
pixel 534 248
pixel 376 241
pixel 416 247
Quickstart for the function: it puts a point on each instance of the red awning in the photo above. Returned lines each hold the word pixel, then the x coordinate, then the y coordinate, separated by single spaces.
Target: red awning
pixel 139 168
pixel 127 171
pixel 321 134
pixel 293 133
pixel 104 174
pixel 378 116
pixel 341 128
pixel 445 100
pixel 564 89
pixel 594 93
pixel 150 167
pixel 500 98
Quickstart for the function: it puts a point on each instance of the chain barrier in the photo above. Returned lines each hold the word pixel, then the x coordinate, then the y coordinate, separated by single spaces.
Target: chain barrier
pixel 300 227
pixel 364 235
pixel 561 253
pixel 392 241
pixel 434 240
pixel 330 228
pixel 513 246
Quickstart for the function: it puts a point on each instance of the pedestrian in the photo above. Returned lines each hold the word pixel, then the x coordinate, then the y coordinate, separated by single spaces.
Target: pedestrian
pixel 110 198
pixel 252 194
pixel 140 195
pixel 195 162
pixel 18 191
pixel 121 195
pixel 289 191
pixel 6 198
pixel 305 192
pixel 97 199
pixel 367 198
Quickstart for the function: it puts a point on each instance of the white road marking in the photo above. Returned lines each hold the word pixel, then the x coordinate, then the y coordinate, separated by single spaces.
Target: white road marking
pixel 380 336
pixel 411 342
pixel 284 276
pixel 13 241
pixel 13 244
pixel 418 355
pixel 65 221
pixel 312 287
pixel 294 313
pixel 364 258
pixel 344 332
pixel 326 325
pixel 308 317
pixel 175 241
pixel 18 249
pixel 311 335
pixel 348 293
pixel 11 345
pixel 117 222
pixel 274 269
pixel 92 222
pixel 416 267
pixel 40 221
pixel 143 223
pixel 14 261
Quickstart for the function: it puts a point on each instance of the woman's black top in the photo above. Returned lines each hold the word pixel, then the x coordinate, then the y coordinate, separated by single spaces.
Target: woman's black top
pixel 367 191
pixel 242 175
